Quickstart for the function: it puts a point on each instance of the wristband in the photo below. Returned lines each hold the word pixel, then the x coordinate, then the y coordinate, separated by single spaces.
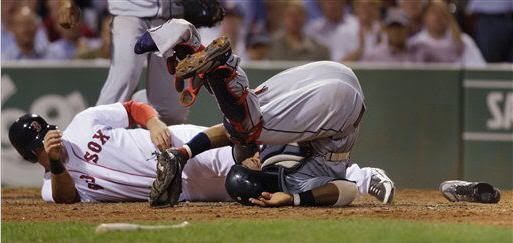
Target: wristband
pixel 56 167
pixel 306 198
pixel 297 200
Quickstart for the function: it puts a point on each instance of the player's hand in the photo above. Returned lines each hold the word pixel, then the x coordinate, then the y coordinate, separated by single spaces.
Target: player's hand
pixel 253 163
pixel 68 14
pixel 159 133
pixel 273 199
pixel 53 144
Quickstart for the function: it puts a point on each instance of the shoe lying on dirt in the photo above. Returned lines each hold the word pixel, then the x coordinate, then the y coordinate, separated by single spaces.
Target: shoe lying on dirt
pixel 464 191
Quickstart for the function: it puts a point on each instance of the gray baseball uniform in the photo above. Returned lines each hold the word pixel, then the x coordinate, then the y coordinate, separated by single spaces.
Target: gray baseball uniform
pixel 318 105
pixel 131 20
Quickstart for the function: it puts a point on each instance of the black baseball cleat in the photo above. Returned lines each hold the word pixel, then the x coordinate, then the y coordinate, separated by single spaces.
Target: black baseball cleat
pixel 214 55
pixel 464 191
pixel 167 187
pixel 381 186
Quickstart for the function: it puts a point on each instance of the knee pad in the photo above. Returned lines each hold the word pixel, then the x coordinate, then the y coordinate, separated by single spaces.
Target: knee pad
pixel 347 191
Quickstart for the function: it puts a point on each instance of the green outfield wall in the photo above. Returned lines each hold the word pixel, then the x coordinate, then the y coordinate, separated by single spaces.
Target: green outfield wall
pixel 424 124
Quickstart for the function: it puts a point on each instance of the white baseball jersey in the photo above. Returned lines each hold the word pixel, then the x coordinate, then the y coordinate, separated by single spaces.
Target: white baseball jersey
pixel 141 8
pixel 110 163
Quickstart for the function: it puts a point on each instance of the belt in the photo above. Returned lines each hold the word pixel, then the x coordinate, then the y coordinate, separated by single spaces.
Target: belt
pixel 331 157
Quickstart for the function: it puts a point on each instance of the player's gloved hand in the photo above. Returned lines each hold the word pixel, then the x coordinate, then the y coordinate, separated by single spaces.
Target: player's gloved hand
pixel 53 144
pixel 276 199
pixel 159 133
pixel 68 14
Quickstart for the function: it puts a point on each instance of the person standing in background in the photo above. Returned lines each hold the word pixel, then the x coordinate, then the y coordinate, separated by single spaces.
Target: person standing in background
pixel 257 46
pixel 394 46
pixel 414 9
pixel 326 30
pixel 368 34
pixel 442 40
pixel 70 43
pixel 24 25
pixel 494 28
pixel 291 43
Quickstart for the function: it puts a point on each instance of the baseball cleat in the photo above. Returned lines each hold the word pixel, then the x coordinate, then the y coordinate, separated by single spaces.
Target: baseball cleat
pixel 145 44
pixel 166 189
pixel 464 191
pixel 381 186
pixel 215 54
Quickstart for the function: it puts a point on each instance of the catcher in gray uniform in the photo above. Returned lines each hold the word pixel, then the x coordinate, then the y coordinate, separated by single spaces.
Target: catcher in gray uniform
pixel 318 106
pixel 131 20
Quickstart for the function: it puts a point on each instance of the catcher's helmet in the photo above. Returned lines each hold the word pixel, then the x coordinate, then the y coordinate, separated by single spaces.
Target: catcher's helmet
pixel 27 133
pixel 243 183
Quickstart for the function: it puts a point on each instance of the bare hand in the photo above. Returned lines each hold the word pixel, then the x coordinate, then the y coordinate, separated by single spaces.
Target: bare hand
pixel 53 144
pixel 253 163
pixel 276 199
pixel 68 14
pixel 159 133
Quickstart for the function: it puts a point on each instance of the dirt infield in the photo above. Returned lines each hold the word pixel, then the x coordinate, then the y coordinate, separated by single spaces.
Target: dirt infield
pixel 25 205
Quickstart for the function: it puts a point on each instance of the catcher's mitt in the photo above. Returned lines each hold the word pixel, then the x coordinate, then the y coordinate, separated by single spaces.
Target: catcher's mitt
pixel 203 13
pixel 166 189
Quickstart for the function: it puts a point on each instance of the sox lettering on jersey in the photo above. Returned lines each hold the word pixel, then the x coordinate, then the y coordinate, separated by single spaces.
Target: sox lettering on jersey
pixel 95 147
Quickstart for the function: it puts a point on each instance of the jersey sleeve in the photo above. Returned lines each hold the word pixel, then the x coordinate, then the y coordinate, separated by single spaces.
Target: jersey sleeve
pixel 46 190
pixel 112 115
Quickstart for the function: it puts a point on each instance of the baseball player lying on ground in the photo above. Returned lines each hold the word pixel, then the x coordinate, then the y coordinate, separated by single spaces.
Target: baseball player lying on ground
pixel 318 106
pixel 96 159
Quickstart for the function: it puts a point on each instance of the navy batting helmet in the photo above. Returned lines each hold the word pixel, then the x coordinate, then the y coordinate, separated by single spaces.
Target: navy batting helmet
pixel 243 183
pixel 27 133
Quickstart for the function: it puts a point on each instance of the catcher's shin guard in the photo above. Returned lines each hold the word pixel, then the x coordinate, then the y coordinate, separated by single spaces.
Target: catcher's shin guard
pixel 231 92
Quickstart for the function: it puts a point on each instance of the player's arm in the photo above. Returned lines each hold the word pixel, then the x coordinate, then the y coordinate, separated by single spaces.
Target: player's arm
pixel 69 14
pixel 63 186
pixel 144 115
pixel 334 193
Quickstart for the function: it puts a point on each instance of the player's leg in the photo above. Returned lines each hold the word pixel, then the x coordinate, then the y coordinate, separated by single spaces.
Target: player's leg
pixel 230 86
pixel 126 66
pixel 161 92
pixel 311 113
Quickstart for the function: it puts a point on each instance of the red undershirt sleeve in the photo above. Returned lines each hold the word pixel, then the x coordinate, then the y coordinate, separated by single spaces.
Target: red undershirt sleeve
pixel 139 113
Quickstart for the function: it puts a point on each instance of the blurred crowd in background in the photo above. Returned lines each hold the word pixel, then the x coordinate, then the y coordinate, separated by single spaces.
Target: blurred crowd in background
pixel 466 32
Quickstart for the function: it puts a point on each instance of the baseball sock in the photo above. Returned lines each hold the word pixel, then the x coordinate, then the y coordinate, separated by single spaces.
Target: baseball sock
pixel 197 145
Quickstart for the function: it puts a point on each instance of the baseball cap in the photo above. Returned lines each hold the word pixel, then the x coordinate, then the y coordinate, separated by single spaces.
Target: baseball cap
pixel 396 17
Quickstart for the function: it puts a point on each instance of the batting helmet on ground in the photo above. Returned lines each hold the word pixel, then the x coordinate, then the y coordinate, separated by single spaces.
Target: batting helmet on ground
pixel 243 183
pixel 27 133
